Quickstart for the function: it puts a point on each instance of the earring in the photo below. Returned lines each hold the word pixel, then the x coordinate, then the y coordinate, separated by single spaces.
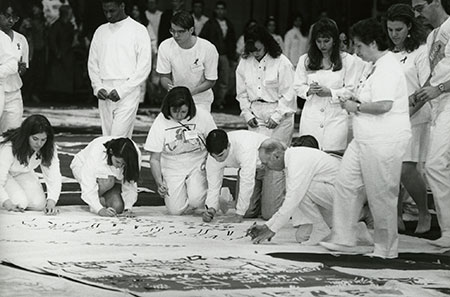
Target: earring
pixel 408 36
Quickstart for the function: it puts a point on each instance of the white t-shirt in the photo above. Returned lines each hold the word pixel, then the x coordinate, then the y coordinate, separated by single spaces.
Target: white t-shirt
pixel 304 165
pixel 120 51
pixel 21 52
pixel 439 54
pixel 199 23
pixel 386 82
pixel 416 66
pixel 270 80
pixel 181 144
pixel 243 154
pixel 189 67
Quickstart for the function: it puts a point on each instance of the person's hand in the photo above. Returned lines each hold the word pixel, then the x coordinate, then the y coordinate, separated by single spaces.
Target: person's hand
pixel 233 219
pixel 9 206
pixel 253 123
pixel 170 87
pixel 412 100
pixel 427 93
pixel 259 233
pixel 127 213
pixel 271 124
pixel 163 190
pixel 50 207
pixel 323 91
pixel 107 212
pixel 314 88
pixel 208 215
pixel 22 68
pixel 113 96
pixel 102 94
pixel 350 106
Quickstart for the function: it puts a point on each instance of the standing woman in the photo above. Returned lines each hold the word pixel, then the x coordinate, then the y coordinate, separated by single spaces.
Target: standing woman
pixel 176 142
pixel 13 106
pixel 407 40
pixel 108 170
pixel 373 159
pixel 323 76
pixel 21 151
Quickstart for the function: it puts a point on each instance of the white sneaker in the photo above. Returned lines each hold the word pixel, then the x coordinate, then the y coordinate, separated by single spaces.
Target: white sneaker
pixel 303 232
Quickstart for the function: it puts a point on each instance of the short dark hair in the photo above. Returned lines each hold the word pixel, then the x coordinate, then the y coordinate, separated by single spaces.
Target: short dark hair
pixel 5 4
pixel 177 97
pixel 368 31
pixel 260 33
pixel 325 27
pixel 220 2
pixel 216 141
pixel 404 13
pixel 198 2
pixel 124 148
pixel 118 2
pixel 19 139
pixel 306 140
pixel 183 19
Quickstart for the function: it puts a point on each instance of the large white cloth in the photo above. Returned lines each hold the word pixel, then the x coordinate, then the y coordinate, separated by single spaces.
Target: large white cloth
pixel 416 66
pixel 242 154
pixel 120 59
pixel 437 165
pixel 91 163
pixel 10 168
pixel 373 160
pixel 295 45
pixel 307 171
pixel 323 117
pixel 183 157
pixel 189 67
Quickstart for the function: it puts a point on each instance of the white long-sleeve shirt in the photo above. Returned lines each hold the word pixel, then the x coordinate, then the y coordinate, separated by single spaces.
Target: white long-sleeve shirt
pixel 269 80
pixel 120 51
pixel 10 165
pixel 21 51
pixel 243 154
pixel 304 165
pixel 8 61
pixel 92 164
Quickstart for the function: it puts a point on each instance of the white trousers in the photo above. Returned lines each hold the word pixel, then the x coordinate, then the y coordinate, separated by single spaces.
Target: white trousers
pixel 377 167
pixel 118 117
pixel 187 189
pixel 437 167
pixel 26 191
pixel 13 111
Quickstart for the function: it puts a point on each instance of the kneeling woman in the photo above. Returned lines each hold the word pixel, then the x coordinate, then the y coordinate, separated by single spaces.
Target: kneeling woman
pixel 108 170
pixel 176 143
pixel 21 151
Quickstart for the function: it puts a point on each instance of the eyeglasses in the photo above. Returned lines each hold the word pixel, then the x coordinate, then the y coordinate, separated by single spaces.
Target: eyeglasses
pixel 179 32
pixel 13 18
pixel 419 7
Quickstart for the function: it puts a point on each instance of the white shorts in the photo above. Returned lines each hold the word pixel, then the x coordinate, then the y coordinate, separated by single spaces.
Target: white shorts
pixel 416 151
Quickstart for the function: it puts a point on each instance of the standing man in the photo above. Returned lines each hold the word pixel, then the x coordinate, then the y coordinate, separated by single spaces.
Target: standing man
pixel 199 18
pixel 119 61
pixel 166 17
pixel 188 60
pixel 436 91
pixel 153 16
pixel 220 31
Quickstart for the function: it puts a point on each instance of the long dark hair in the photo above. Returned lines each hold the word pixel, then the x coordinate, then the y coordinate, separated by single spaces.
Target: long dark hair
pixel 417 34
pixel 20 139
pixel 260 33
pixel 124 148
pixel 325 27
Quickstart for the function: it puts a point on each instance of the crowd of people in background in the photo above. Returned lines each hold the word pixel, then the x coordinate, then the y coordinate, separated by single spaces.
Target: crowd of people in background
pixel 376 116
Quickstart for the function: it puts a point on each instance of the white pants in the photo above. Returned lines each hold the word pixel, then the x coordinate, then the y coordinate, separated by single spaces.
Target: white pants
pixel 437 167
pixel 26 191
pixel 13 111
pixel 118 117
pixel 377 167
pixel 263 111
pixel 187 189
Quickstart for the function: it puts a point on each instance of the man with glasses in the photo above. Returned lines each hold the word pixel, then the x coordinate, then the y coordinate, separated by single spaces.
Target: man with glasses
pixel 119 61
pixel 188 60
pixel 436 90
pixel 13 105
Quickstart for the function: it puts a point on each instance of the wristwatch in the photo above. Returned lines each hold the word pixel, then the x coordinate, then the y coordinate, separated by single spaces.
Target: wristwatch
pixel 441 88
pixel 358 107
